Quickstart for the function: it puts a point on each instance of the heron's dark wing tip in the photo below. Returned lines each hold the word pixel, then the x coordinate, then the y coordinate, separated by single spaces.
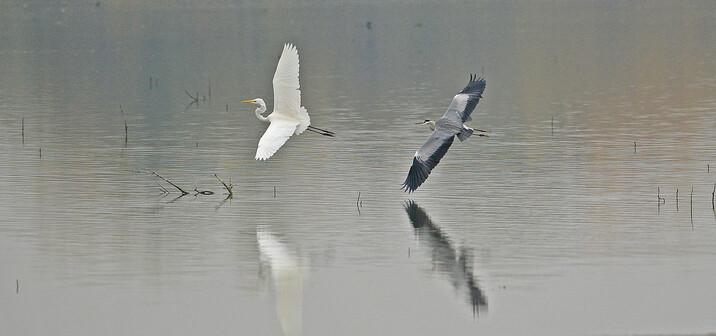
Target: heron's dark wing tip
pixel 418 173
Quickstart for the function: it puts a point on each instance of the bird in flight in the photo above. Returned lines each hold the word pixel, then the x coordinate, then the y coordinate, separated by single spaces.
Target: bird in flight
pixel 445 129
pixel 288 116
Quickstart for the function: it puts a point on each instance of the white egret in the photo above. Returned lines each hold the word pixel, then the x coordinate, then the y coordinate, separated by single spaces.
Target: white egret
pixel 288 116
pixel 451 124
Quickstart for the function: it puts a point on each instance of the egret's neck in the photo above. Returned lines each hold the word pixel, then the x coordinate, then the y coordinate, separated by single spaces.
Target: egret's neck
pixel 259 111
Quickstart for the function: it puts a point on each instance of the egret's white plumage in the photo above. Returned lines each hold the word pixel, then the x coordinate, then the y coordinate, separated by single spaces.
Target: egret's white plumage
pixel 288 116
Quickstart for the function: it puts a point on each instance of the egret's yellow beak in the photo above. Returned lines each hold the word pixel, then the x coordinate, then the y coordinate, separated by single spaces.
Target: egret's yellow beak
pixel 249 101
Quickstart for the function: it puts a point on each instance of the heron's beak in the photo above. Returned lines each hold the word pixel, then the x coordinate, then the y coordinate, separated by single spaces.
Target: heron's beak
pixel 420 123
pixel 249 101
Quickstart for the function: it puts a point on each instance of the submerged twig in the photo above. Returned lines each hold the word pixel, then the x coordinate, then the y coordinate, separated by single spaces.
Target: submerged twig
pixel 229 187
pixel 23 131
pixel 677 199
pixel 164 190
pixel 183 192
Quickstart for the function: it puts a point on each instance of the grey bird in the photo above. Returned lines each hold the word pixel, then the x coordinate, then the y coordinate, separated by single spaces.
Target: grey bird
pixel 445 129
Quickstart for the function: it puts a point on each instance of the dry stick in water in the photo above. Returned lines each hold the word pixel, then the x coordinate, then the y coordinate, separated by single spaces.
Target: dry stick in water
pixel 17 286
pixel 164 190
pixel 691 204
pixel 194 99
pixel 274 191
pixel 634 146
pixel 23 131
pixel 183 192
pixel 713 193
pixel 229 188
pixel 40 152
pixel 125 132
pixel 677 199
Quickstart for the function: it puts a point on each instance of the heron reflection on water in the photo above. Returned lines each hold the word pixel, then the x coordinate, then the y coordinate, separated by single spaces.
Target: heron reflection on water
pixel 447 260
pixel 286 271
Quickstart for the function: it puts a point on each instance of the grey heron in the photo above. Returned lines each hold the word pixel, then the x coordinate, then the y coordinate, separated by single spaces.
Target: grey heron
pixel 288 116
pixel 445 129
pixel 457 265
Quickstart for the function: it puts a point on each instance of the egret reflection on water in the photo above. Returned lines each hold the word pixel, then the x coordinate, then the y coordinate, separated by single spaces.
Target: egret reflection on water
pixel 451 124
pixel 288 279
pixel 447 260
pixel 288 116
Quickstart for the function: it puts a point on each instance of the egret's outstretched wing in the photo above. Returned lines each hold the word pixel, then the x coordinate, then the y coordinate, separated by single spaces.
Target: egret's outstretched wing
pixel 427 157
pixel 286 92
pixel 275 136
pixel 464 102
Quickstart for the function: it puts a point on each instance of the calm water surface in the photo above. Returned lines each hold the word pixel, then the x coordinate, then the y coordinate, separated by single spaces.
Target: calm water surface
pixel 551 226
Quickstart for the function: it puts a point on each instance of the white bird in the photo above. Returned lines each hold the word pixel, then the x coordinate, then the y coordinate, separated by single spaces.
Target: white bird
pixel 451 124
pixel 288 116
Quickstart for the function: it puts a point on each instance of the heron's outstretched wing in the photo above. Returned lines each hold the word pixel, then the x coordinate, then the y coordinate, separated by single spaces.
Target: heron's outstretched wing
pixel 464 102
pixel 286 92
pixel 427 157
pixel 275 136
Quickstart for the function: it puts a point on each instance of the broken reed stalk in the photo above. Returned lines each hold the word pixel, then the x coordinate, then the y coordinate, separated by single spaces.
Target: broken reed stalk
pixel 17 286
pixel 183 192
pixel 677 199
pixel 125 131
pixel 40 152
pixel 229 187
pixel 164 190
pixel 274 191
pixel 23 131
pixel 691 205
pixel 634 146
pixel 713 193
pixel 358 201
pixel 194 99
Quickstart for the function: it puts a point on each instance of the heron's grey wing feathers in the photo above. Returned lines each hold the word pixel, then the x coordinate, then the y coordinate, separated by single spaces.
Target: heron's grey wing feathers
pixel 427 157
pixel 275 136
pixel 465 101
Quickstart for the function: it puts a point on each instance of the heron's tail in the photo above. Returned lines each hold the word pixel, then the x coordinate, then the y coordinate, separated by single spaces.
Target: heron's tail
pixel 465 133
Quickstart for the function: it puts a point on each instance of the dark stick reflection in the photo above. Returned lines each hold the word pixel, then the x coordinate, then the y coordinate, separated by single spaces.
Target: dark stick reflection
pixel 455 264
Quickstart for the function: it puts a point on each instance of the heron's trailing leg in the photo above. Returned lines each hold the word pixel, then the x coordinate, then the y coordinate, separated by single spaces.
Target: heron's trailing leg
pixel 321 131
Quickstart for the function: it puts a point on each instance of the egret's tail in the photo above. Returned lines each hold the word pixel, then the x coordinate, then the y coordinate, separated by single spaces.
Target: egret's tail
pixel 304 118
pixel 466 133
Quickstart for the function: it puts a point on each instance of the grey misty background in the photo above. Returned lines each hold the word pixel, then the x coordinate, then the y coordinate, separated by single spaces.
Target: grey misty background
pixel 550 226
